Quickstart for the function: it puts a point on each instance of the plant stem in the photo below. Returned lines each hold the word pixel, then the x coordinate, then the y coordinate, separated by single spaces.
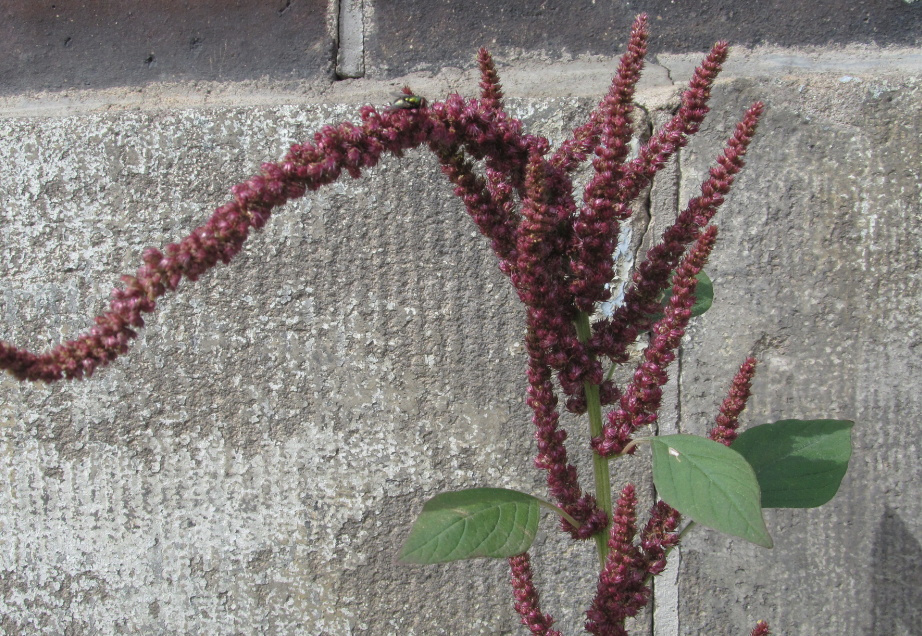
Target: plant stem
pixel 558 510
pixel 611 371
pixel 599 464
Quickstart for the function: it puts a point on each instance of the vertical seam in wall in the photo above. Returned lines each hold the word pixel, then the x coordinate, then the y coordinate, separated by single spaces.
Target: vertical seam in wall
pixel 350 35
pixel 364 34
pixel 667 583
pixel 678 373
pixel 333 31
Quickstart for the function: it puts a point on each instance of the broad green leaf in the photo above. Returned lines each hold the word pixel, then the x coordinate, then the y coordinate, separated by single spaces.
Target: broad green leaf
pixel 710 483
pixel 799 463
pixel 704 296
pixel 481 522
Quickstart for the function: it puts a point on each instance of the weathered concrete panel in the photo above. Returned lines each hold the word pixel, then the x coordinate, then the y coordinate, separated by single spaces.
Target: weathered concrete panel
pixel 817 272
pixel 254 463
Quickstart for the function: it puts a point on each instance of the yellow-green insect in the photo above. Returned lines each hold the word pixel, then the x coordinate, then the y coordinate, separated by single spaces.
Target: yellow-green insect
pixel 407 102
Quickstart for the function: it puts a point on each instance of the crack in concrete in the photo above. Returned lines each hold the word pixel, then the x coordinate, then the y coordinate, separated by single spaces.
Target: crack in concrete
pixel 667 69
pixel 671 628
pixel 648 200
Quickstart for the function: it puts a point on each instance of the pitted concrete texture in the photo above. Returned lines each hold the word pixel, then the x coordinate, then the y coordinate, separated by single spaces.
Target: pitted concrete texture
pixel 818 273
pixel 252 465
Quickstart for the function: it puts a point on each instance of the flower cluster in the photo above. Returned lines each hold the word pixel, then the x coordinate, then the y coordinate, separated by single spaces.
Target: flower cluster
pixel 641 401
pixel 558 256
pixel 622 589
pixel 730 410
pixel 761 629
pixel 526 598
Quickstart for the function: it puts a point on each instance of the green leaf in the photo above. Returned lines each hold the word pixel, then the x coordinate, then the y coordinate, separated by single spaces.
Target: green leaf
pixel 710 483
pixel 799 463
pixel 481 522
pixel 704 296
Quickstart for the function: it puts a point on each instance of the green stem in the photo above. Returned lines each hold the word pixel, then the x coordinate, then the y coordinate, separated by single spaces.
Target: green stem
pixel 611 372
pixel 558 510
pixel 599 464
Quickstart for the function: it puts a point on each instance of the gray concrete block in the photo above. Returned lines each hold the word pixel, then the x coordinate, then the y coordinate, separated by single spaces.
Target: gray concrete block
pixel 817 273
pixel 253 464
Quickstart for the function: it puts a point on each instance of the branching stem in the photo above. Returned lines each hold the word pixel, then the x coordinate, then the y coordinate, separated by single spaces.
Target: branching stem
pixel 599 464
pixel 558 510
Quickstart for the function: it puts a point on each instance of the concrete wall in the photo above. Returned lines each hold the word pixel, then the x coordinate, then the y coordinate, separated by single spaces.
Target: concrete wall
pixel 254 463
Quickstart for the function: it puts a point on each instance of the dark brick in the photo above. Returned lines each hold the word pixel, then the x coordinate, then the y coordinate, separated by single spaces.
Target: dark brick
pixel 57 44
pixel 415 35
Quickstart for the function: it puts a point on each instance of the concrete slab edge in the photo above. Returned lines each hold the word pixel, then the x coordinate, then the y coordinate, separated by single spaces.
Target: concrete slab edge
pixel 589 77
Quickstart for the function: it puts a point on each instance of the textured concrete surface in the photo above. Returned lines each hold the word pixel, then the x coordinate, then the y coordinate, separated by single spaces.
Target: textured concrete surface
pixel 253 465
pixel 818 273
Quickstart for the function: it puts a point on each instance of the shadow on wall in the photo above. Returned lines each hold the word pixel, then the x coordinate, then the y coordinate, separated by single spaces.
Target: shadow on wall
pixel 897 581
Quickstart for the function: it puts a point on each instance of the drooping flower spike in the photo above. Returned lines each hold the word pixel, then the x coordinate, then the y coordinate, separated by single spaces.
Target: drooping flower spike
pixel 526 598
pixel 557 256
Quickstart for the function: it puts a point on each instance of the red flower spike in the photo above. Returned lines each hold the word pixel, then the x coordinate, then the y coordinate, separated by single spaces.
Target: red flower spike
pixel 641 400
pixel 496 219
pixel 612 337
pixel 596 230
pixel 585 139
pixel 305 167
pixel 761 629
pixel 674 135
pixel 526 598
pixel 620 593
pixel 562 480
pixel 734 404
pixel 659 536
pixel 491 92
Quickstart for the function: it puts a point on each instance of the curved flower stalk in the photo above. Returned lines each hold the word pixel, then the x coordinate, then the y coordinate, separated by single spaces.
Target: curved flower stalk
pixel 558 256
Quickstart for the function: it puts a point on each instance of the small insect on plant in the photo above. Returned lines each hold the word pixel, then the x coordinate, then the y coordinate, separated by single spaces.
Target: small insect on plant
pixel 409 101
